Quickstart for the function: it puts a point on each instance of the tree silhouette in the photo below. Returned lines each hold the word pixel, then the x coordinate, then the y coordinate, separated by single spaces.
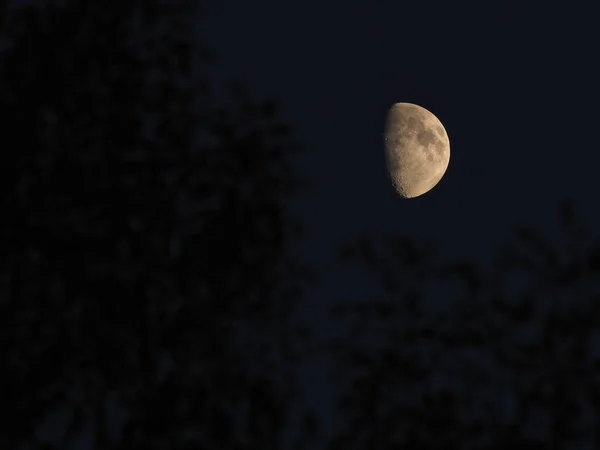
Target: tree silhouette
pixel 145 242
pixel 453 356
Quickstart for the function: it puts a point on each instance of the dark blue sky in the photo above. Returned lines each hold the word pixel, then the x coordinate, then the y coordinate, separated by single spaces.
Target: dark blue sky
pixel 515 86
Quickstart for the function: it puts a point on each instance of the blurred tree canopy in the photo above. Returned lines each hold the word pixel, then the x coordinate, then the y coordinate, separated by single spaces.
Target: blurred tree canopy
pixel 145 241
pixel 146 271
pixel 499 357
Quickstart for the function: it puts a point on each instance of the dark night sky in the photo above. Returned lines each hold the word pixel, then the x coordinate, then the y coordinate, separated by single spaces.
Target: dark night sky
pixel 515 88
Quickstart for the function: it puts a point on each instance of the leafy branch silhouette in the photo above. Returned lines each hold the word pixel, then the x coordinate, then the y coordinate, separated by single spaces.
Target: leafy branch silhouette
pixel 452 356
pixel 145 256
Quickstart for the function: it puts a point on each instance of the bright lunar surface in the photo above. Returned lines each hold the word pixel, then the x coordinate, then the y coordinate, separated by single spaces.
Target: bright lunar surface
pixel 417 149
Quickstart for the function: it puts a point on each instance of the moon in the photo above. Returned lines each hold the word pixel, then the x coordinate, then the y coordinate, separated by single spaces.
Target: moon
pixel 417 149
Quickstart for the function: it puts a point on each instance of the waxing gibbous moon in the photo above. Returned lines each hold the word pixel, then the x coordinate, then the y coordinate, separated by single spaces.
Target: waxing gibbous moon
pixel 417 149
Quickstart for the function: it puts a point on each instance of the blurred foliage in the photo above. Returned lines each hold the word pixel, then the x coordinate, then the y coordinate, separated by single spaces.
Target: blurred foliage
pixel 499 357
pixel 145 240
